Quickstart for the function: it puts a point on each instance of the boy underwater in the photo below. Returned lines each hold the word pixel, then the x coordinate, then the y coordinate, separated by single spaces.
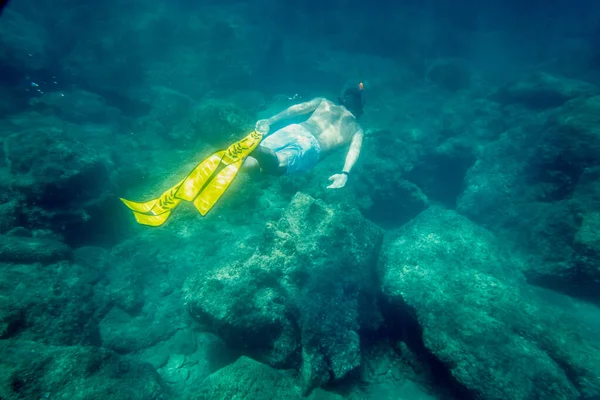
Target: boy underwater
pixel 296 148
pixel 293 149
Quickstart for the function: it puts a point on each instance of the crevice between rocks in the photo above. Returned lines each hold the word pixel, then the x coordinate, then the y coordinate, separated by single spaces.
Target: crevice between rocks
pixel 401 324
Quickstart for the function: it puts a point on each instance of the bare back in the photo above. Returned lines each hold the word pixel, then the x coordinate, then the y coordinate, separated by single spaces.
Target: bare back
pixel 332 125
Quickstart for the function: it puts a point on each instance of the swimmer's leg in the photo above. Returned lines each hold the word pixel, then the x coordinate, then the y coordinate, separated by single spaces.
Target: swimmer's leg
pixel 269 161
pixel 250 165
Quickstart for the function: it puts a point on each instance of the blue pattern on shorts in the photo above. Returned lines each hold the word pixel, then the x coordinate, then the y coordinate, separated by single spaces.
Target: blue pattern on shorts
pixel 296 144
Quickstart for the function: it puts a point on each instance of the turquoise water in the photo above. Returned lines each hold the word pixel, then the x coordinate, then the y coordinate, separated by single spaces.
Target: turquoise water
pixel 460 259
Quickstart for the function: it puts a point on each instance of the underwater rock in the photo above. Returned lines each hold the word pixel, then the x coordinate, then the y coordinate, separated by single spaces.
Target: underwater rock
pixel 542 91
pixel 495 185
pixel 393 370
pixel 587 246
pixel 248 379
pixel 53 304
pixel 49 165
pixel 27 250
pixel 388 202
pixel 447 163
pixel 185 359
pixel 78 106
pixel 168 109
pixel 496 336
pixel 568 143
pixel 35 371
pixel 64 183
pixel 142 277
pixel 303 296
pixel 217 123
pixel 450 74
pixel 9 215
pixel 533 185
pixel 382 192
pixel 123 333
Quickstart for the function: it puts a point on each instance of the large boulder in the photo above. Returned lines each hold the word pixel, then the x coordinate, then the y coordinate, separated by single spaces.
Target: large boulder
pixel 77 106
pixel 21 246
pixel 141 284
pixel 45 297
pixel 9 214
pixel 569 143
pixel 51 165
pixel 541 91
pixel 499 338
pixel 247 379
pixel 536 185
pixel 35 371
pixel 185 359
pixel 450 74
pixel 389 201
pixel 167 109
pixel 303 296
pixel 218 123
pixel 63 177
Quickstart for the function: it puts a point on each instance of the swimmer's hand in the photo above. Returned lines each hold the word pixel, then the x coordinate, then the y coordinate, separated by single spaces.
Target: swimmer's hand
pixel 339 181
pixel 263 126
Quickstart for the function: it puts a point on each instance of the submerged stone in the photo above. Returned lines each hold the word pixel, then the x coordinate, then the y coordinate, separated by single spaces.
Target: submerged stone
pixel 303 296
pixel 35 371
pixel 495 334
pixel 543 91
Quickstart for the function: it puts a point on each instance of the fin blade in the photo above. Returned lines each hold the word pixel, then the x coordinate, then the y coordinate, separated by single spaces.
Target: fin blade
pixel 195 181
pixel 215 189
pixel 238 151
pixel 139 207
pixel 204 185
pixel 156 211
pixel 151 220
pixel 155 206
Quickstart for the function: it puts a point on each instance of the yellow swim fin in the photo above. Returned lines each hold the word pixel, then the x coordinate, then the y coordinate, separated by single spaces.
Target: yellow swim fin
pixel 156 211
pixel 216 187
pixel 230 165
pixel 150 219
pixel 203 186
pixel 196 180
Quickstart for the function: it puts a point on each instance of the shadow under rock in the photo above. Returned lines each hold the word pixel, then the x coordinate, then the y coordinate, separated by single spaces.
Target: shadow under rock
pixel 108 225
pixel 102 224
pixel 579 289
pixel 441 175
pixel 401 324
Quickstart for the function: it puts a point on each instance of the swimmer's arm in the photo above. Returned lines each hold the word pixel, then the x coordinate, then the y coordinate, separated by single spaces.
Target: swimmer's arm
pixel 354 151
pixel 295 110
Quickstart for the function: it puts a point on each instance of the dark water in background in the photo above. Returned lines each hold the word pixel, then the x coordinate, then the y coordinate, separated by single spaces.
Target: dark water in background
pixel 500 38
pixel 488 109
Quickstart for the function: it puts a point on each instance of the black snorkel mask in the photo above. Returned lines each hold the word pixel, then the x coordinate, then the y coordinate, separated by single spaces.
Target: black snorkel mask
pixel 353 99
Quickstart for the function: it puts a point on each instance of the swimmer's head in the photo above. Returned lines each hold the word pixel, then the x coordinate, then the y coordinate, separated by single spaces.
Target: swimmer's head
pixel 353 99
